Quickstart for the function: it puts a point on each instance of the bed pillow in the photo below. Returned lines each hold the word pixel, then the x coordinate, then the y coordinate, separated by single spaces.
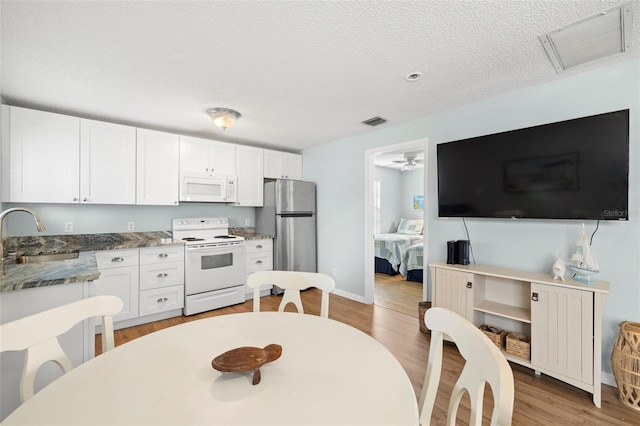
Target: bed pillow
pixel 410 226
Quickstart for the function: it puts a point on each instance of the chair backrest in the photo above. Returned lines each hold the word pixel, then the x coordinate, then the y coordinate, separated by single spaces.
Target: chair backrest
pixel 38 335
pixel 484 364
pixel 292 282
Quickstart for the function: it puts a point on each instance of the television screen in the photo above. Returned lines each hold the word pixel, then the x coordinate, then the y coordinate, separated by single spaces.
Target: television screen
pixel 574 169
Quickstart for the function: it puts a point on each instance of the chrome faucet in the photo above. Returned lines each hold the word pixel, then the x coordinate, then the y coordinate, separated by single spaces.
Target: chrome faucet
pixel 39 225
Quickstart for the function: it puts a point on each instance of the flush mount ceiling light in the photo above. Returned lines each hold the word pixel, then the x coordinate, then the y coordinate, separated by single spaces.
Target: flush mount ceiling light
pixel 223 117
pixel 590 39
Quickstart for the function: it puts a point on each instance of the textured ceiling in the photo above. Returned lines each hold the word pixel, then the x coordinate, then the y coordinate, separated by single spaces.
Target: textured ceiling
pixel 302 73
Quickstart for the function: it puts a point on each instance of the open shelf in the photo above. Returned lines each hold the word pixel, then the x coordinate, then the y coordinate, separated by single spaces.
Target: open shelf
pixel 505 311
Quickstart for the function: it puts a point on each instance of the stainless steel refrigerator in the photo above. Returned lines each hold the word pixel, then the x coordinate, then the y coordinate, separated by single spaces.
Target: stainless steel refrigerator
pixel 289 213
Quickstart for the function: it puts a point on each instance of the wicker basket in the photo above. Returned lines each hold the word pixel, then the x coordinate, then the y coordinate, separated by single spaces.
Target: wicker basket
pixel 625 361
pixel 495 334
pixel 422 309
pixel 519 345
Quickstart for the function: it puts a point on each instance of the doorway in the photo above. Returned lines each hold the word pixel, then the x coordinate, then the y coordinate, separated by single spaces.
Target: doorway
pixel 391 292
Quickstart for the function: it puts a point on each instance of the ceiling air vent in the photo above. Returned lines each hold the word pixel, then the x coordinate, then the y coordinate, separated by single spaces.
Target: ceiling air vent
pixel 375 121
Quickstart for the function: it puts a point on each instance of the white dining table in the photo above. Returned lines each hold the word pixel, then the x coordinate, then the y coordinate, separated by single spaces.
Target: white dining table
pixel 329 373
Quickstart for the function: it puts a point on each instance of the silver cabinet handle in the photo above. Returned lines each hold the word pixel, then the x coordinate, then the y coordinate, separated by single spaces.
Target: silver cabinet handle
pixel 117 259
pixel 85 199
pixel 162 299
pixel 534 297
pixel 258 262
pixel 163 255
pixel 175 202
pixel 259 247
pixel 469 284
pixel 75 198
pixel 163 275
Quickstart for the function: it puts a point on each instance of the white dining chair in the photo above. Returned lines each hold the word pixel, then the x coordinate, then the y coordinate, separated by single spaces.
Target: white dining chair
pixel 292 282
pixel 38 335
pixel 484 363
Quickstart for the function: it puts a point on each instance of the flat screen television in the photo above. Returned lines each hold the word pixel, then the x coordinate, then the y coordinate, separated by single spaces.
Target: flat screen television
pixel 573 169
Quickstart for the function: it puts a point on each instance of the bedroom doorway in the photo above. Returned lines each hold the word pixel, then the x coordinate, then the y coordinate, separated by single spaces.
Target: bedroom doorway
pixel 396 164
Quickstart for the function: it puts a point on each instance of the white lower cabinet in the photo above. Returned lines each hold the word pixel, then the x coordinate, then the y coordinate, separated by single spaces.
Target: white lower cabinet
pixel 119 277
pixel 258 257
pixel 148 280
pixel 562 318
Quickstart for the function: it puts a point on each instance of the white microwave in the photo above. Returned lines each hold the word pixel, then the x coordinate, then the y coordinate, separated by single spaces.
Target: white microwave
pixel 206 187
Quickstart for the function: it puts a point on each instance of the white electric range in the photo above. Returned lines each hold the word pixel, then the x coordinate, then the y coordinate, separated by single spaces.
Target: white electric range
pixel 213 262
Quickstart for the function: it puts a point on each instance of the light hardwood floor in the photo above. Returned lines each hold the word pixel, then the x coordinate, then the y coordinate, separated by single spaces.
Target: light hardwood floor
pixel 539 400
pixel 397 294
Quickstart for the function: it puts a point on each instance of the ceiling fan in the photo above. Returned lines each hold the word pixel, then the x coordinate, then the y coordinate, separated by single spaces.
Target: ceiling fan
pixel 410 161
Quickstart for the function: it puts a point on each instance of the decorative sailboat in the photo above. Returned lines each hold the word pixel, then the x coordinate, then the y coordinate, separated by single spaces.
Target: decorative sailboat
pixel 582 261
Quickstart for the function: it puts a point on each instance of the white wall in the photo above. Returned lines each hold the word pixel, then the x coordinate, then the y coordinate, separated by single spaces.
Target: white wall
pixel 412 184
pixel 524 244
pixel 98 218
pixel 391 198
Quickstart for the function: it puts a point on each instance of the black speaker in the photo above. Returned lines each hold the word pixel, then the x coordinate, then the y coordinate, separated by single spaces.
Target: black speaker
pixel 451 252
pixel 462 252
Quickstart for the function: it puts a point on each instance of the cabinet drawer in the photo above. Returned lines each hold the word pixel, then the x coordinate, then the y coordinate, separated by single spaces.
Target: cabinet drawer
pixel 258 246
pixel 259 262
pixel 116 258
pixel 164 275
pixel 157 255
pixel 161 300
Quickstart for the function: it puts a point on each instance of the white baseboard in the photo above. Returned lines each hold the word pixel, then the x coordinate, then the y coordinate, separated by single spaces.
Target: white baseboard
pixel 348 295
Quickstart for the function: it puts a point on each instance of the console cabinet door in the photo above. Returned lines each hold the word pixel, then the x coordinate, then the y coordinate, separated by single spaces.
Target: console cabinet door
pixel 40 153
pixel 562 331
pixel 282 165
pixel 453 290
pixel 107 163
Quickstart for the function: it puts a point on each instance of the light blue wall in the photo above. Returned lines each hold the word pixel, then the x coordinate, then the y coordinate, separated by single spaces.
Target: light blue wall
pixel 412 184
pixel 524 244
pixel 391 197
pixel 97 218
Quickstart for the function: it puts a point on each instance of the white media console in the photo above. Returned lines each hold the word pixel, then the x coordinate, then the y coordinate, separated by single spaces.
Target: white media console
pixel 563 318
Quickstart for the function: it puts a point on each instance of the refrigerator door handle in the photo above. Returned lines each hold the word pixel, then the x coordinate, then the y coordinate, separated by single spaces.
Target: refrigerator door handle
pixel 296 214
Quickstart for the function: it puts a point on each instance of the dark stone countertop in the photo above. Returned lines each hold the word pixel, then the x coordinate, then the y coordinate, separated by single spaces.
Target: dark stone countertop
pixel 249 234
pixel 84 268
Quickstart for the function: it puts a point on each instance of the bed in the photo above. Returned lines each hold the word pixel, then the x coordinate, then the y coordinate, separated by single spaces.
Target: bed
pixel 390 248
pixel 411 266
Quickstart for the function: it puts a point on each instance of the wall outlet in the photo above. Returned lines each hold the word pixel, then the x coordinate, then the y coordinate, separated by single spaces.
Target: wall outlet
pixel 68 227
pixel 247 221
pixel 131 226
pixel 334 272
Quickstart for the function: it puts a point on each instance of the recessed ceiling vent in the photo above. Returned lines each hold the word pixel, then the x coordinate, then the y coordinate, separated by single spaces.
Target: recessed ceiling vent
pixel 375 121
pixel 597 37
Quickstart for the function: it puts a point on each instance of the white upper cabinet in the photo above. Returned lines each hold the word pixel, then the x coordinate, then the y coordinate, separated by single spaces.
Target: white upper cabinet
pixel 282 165
pixel 207 156
pixel 250 176
pixel 158 159
pixel 40 156
pixel 107 163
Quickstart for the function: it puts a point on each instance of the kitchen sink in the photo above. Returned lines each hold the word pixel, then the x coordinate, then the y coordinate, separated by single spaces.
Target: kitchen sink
pixel 39 258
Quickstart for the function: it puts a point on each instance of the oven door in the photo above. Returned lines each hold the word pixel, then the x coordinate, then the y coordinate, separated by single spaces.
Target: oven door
pixel 213 268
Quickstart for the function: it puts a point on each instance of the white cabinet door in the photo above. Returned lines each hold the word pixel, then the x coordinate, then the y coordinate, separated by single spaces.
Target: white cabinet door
pixel 204 155
pixel 292 164
pixel 107 163
pixel 122 282
pixel 282 165
pixel 40 156
pixel 222 158
pixel 158 159
pixel 250 176
pixel 194 154
pixel 562 331
pixel 454 290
